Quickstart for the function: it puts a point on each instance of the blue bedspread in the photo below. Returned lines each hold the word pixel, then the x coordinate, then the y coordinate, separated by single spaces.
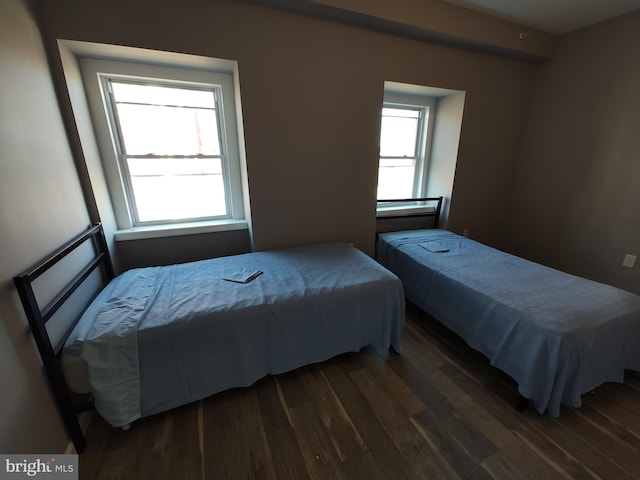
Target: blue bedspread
pixel 167 336
pixel 556 334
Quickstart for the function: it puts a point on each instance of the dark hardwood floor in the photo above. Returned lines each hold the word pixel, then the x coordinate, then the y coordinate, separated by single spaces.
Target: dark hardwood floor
pixel 436 411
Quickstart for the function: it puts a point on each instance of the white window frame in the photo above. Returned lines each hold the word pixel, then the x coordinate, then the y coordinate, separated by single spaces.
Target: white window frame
pixel 95 70
pixel 428 108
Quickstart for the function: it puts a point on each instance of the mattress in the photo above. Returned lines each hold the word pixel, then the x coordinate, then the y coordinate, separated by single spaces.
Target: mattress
pixel 556 334
pixel 75 373
pixel 160 337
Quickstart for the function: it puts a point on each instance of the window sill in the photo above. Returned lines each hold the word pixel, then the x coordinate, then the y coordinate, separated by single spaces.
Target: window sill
pixel 404 210
pixel 177 229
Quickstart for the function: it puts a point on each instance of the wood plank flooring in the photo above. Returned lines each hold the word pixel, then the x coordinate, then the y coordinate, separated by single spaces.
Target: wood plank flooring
pixel 438 410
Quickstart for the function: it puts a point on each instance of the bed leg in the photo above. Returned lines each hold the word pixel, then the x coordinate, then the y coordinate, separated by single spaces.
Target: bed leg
pixel 523 403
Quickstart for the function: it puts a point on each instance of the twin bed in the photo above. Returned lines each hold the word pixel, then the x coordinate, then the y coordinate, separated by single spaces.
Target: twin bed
pixel 557 335
pixel 159 337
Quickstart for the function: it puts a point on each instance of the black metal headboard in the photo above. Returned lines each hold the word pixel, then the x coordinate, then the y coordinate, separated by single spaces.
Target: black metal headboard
pixel 38 318
pixel 432 213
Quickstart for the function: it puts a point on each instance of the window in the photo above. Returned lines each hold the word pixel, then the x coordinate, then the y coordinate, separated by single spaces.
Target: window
pixel 169 142
pixel 405 134
pixel 420 129
pixel 169 146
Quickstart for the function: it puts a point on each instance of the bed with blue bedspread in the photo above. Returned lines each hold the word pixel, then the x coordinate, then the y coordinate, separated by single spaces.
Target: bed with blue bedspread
pixel 154 338
pixel 557 335
pixel 160 337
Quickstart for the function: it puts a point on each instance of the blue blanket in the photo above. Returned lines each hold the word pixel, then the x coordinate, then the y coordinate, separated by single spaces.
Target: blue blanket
pixel 167 336
pixel 557 335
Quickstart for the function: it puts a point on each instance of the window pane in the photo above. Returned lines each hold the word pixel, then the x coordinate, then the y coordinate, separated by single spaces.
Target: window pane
pixel 159 95
pixel 177 188
pixel 166 121
pixel 399 132
pixel 395 179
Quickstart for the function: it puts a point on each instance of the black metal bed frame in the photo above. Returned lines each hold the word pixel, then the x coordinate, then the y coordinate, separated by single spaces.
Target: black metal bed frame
pixel 435 214
pixel 38 317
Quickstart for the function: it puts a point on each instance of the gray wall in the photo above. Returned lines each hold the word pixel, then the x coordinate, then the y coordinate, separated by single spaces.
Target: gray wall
pixel 438 21
pixel 575 202
pixel 181 248
pixel 41 207
pixel 311 92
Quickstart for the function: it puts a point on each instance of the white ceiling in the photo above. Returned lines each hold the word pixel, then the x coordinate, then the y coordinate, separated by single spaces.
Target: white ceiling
pixel 552 16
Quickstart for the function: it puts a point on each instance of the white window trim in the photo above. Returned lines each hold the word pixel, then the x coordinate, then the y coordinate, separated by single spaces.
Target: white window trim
pixel 174 229
pixel 392 211
pixel 396 99
pixel 91 68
